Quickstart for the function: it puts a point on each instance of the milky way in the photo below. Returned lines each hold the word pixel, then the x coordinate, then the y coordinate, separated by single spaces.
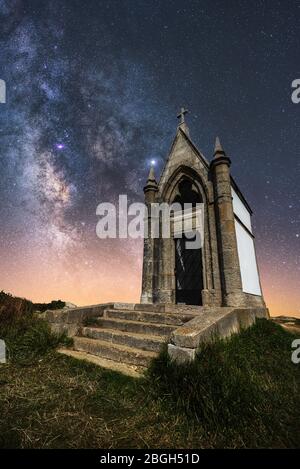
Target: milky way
pixel 93 89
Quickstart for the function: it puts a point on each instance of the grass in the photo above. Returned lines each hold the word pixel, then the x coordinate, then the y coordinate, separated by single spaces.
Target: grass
pixel 238 393
pixel 243 391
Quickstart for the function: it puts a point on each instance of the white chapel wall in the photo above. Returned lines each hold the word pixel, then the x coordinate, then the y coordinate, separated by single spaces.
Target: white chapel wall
pixel 246 249
pixel 240 210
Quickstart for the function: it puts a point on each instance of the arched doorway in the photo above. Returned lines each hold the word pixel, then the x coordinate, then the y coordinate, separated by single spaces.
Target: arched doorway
pixel 188 256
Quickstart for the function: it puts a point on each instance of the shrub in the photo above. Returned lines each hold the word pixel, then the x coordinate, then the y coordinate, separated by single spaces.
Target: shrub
pixel 27 337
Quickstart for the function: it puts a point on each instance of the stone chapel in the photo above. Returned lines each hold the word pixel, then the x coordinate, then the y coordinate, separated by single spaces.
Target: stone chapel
pixel 224 272
pixel 189 296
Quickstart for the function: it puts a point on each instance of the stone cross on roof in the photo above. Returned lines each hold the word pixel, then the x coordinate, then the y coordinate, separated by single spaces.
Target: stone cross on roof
pixel 181 115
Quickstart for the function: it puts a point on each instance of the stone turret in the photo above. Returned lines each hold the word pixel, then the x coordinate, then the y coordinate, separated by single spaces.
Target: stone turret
pixel 228 252
pixel 151 187
pixel 150 191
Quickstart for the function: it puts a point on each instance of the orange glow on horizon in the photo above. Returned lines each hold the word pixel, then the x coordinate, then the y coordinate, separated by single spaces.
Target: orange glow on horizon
pixel 121 281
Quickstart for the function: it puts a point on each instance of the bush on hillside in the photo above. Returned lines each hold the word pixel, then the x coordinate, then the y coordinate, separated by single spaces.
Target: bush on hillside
pixel 27 337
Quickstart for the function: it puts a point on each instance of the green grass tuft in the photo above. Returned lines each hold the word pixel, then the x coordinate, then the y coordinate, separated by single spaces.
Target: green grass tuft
pixel 243 390
pixel 28 337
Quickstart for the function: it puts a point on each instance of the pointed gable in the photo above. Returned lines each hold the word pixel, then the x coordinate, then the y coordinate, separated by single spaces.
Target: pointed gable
pixel 183 152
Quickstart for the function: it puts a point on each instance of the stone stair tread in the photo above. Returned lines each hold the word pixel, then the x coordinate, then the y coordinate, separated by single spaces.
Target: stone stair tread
pixel 159 313
pixel 146 316
pixel 138 335
pixel 129 321
pixel 141 327
pixel 157 308
pixel 121 348
pixel 112 351
pixel 133 371
pixel 138 340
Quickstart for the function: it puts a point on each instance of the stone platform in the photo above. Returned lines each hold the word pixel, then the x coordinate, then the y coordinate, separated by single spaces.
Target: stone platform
pixel 126 337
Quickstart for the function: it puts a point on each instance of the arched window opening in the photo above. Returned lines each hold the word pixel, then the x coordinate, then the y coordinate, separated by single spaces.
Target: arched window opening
pixel 187 194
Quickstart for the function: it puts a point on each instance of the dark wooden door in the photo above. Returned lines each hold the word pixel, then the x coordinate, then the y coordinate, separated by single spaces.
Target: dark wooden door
pixel 188 271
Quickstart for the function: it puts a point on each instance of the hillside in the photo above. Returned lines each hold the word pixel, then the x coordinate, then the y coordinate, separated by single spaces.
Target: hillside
pixel 289 323
pixel 241 392
pixel 12 305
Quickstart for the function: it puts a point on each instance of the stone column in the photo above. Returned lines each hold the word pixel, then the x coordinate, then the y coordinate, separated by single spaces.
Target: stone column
pixel 150 191
pixel 232 291
pixel 164 290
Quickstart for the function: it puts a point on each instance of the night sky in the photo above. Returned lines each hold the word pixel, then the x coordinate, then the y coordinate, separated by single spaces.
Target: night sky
pixel 93 90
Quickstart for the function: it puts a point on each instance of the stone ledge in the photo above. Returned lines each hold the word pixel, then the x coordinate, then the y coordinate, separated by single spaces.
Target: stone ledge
pixel 75 315
pixel 69 320
pixel 211 324
pixel 200 327
pixel 181 354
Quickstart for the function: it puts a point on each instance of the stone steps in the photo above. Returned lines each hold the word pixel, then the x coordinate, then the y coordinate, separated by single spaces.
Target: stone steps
pixel 136 326
pixel 115 352
pixel 146 342
pixel 152 317
pixel 158 308
pixel 125 335
pixel 126 369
